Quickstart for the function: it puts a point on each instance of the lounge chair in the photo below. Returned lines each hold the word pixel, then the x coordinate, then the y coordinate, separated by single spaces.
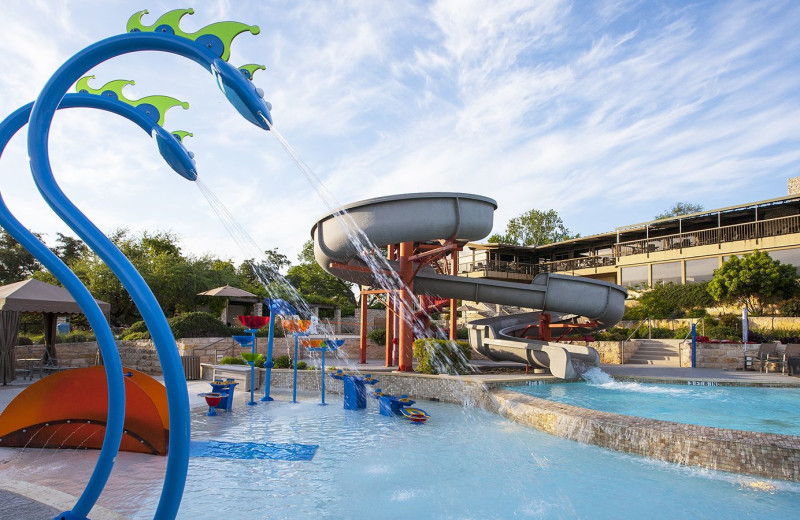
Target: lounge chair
pixel 766 352
pixel 792 350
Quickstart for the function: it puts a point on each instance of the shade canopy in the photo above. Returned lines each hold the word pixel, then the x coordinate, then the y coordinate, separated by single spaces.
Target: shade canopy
pixel 35 296
pixel 228 291
pixel 32 296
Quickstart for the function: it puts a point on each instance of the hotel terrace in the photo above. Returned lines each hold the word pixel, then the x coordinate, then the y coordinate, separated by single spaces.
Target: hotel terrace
pixel 681 249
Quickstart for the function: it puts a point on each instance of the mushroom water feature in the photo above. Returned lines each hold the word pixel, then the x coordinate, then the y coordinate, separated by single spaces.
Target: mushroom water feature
pixel 147 113
pixel 210 48
pixel 253 324
pixel 322 346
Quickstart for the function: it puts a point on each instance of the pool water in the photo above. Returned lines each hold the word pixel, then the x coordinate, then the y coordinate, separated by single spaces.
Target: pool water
pixel 463 463
pixel 771 410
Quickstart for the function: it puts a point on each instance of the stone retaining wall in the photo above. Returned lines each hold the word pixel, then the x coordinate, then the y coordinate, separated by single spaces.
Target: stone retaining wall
pixel 754 453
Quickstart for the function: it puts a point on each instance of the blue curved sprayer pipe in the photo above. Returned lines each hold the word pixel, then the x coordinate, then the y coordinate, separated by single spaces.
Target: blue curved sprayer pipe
pixel 105 338
pixel 246 99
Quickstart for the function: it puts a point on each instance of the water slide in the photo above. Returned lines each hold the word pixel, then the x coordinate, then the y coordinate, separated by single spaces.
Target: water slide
pixel 424 217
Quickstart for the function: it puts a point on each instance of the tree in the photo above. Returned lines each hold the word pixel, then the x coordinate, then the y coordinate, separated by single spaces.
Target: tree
pixel 318 286
pixel 680 208
pixel 69 249
pixel 16 263
pixel 755 281
pixel 534 228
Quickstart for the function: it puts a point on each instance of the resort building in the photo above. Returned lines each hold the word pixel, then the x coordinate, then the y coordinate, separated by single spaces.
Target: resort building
pixel 681 249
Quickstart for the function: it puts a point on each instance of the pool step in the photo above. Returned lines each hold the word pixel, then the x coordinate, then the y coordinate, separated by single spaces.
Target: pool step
pixel 653 352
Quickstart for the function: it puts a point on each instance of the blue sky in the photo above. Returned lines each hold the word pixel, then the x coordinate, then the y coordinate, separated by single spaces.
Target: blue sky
pixel 606 111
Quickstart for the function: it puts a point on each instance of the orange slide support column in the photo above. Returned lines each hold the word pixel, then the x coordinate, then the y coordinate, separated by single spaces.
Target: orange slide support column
pixel 392 251
pixel 406 304
pixel 363 330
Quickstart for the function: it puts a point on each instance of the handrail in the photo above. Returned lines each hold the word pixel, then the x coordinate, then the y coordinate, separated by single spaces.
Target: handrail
pixel 649 329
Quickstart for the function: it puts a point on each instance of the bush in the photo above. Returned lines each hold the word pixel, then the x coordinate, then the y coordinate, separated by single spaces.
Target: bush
pixel 24 340
pixel 614 334
pixel 133 336
pixel 198 325
pixel 76 336
pixel 283 362
pixel 462 334
pixel 378 336
pixel 232 360
pixel 302 365
pixel 790 307
pixel 439 356
pixel 139 326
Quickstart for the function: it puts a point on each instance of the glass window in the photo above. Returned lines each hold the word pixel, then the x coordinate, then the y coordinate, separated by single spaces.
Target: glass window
pixel 786 256
pixel 665 273
pixel 636 275
pixel 701 270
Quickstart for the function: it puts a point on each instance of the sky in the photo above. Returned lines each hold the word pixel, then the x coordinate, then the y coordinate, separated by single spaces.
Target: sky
pixel 608 112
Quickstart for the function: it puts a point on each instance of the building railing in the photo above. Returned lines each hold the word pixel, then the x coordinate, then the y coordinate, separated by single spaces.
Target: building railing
pixel 574 264
pixel 498 266
pixel 720 235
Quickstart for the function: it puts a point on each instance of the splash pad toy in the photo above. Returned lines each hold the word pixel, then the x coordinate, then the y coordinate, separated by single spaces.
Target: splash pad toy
pixel 322 346
pixel 69 410
pixel 147 113
pixel 209 47
pixel 355 389
pixel 390 405
pixel 297 328
pixel 254 323
pixel 277 307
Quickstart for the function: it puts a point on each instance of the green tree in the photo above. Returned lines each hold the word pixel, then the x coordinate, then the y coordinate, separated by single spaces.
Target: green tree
pixel 755 281
pixel 671 300
pixel 533 228
pixel 318 286
pixel 16 263
pixel 680 208
pixel 69 249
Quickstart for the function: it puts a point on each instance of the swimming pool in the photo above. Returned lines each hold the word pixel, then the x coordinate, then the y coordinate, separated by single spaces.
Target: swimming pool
pixel 735 407
pixel 463 463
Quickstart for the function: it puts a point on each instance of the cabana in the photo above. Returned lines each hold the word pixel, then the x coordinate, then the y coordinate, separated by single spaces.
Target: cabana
pixel 237 302
pixel 33 296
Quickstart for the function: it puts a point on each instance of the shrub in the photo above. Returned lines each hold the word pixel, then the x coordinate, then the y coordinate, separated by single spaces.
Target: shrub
pixel 24 340
pixel 133 336
pixel 302 365
pixel 378 336
pixel 76 336
pixel 232 360
pixel 462 334
pixel 283 362
pixel 138 326
pixel 614 334
pixel 198 325
pixel 790 307
pixel 439 356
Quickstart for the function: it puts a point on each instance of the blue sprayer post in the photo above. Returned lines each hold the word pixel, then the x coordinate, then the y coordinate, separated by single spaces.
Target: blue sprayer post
pixel 268 364
pixel 694 345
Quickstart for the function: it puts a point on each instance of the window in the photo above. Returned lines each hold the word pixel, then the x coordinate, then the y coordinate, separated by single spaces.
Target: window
pixel 636 275
pixel 700 270
pixel 666 273
pixel 786 256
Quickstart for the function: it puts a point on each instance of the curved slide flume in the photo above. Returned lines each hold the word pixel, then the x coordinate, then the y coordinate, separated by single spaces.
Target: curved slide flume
pixel 423 217
pixel 208 47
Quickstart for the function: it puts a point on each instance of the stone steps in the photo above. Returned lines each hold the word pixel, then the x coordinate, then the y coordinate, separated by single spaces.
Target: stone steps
pixel 653 352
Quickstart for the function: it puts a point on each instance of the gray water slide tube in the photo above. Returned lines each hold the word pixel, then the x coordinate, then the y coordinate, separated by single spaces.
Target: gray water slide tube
pixel 423 217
